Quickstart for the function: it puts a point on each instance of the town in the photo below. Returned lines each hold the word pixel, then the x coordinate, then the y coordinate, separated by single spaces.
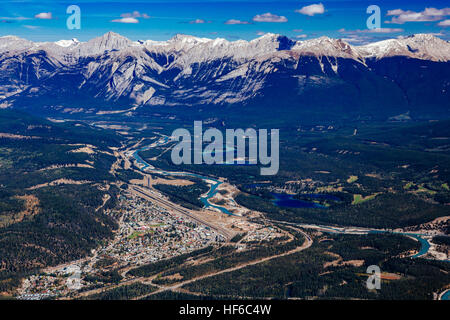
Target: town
pixel 146 233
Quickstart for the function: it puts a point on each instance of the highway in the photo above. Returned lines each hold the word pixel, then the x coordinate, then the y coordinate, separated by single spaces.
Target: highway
pixel 144 192
pixel 176 287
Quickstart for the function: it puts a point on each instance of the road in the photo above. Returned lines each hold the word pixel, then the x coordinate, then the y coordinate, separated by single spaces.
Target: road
pixel 177 287
pixel 146 194
pixel 308 242
pixel 152 195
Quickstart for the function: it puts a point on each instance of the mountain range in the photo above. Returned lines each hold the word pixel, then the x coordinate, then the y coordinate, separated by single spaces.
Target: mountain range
pixel 114 74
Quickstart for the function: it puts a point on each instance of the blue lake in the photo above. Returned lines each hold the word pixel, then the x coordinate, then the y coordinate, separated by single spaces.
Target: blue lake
pixel 446 296
pixel 288 200
pixel 281 200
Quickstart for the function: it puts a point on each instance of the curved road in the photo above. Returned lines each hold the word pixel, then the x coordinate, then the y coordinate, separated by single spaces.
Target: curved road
pixel 308 242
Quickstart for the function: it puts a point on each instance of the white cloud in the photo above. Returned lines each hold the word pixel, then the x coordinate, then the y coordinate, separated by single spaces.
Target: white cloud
pixel 44 15
pixel 395 12
pixel 301 36
pixel 312 9
pixel 260 33
pixel 445 23
pixel 131 17
pixel 14 18
pixel 126 20
pixel 31 27
pixel 198 21
pixel 298 30
pixel 235 21
pixel 135 14
pixel 400 16
pixel 269 17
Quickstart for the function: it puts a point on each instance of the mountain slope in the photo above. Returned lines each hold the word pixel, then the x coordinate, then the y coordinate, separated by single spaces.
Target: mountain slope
pixel 51 192
pixel 114 73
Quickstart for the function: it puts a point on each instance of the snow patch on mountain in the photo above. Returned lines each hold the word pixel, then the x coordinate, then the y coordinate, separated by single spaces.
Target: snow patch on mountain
pixel 190 70
pixel 67 43
pixel 419 46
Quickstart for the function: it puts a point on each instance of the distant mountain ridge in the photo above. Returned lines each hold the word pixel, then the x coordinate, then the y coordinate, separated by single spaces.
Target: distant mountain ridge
pixel 112 72
pixel 421 46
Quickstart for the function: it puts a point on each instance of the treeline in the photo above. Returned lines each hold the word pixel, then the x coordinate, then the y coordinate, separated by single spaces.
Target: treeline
pixel 228 260
pixel 304 275
pixel 156 267
pixel 21 123
pixel 67 228
pixel 125 292
pixel 442 240
pixel 238 237
pixel 68 225
pixel 112 276
pixel 173 295
pixel 127 175
pixel 24 160
pixel 187 196
pixel 387 210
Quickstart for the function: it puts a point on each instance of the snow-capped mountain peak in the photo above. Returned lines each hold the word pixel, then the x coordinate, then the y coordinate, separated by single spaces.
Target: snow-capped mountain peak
pixel 67 43
pixel 184 38
pixel 274 42
pixel 419 46
pixel 109 41
pixel 191 70
pixel 325 46
pixel 13 43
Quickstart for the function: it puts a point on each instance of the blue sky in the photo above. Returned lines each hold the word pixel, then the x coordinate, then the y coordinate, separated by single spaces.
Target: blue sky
pixel 161 20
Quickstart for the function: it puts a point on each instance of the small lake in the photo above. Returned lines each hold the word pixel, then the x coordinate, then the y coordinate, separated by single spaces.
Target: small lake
pixel 288 200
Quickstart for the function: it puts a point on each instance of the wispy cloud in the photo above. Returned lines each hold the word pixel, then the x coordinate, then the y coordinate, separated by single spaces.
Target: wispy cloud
pixel 235 21
pixel 400 16
pixel 131 17
pixel 445 23
pixel 14 18
pixel 361 37
pixel 312 9
pixel 135 14
pixel 382 30
pixel 377 30
pixel 199 21
pixel 44 16
pixel 301 36
pixel 126 20
pixel 269 17
pixel 31 27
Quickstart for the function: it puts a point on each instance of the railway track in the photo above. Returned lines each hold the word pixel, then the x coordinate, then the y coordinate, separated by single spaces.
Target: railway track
pixel 164 203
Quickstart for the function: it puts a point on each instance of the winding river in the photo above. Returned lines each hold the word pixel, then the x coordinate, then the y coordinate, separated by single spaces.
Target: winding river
pixel 446 295
pixel 214 184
